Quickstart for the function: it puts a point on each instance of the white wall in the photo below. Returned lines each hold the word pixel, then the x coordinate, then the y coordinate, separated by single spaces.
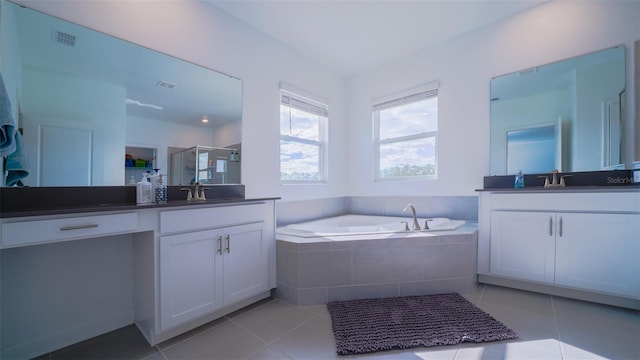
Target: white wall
pixel 198 32
pixel 550 32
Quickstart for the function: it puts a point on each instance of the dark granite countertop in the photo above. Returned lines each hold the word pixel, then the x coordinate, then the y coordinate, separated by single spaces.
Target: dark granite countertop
pixel 122 207
pixel 40 201
pixel 541 189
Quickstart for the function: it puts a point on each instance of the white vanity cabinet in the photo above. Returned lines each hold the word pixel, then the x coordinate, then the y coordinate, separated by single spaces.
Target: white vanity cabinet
pixel 581 240
pixel 166 269
pixel 206 270
pixel 523 245
pixel 599 252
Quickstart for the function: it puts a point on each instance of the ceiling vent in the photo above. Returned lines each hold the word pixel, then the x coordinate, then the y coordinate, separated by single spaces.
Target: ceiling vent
pixel 63 38
pixel 166 84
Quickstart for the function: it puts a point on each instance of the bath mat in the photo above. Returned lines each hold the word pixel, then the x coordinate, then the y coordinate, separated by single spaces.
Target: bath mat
pixel 369 325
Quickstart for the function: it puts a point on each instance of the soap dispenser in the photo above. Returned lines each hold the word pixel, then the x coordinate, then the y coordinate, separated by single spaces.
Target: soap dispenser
pixel 143 191
pixel 160 192
pixel 519 180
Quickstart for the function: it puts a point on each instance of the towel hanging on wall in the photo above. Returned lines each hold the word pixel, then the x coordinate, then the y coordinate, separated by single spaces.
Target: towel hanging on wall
pixel 7 123
pixel 17 163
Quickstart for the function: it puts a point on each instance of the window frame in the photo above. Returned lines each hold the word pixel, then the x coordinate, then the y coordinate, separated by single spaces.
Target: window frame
pixel 315 103
pixel 413 95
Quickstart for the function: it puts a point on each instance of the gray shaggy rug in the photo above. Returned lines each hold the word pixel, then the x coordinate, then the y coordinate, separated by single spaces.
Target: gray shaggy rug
pixel 369 325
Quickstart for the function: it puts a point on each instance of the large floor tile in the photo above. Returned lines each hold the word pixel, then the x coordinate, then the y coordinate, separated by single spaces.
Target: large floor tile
pixel 548 349
pixel 227 341
pixel 273 320
pixel 268 353
pixel 589 330
pixel 311 340
pixel 528 325
pixel 517 299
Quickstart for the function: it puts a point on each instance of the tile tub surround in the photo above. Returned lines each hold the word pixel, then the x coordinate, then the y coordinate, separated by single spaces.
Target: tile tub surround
pixel 452 207
pixel 315 271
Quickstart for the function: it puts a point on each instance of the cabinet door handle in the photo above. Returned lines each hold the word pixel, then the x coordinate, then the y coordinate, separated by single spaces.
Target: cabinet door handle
pixel 228 238
pixel 560 227
pixel 219 244
pixel 550 226
pixel 78 227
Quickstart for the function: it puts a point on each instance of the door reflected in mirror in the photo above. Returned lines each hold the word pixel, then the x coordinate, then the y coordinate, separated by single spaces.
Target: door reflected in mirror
pixel 566 115
pixel 534 149
pixel 81 98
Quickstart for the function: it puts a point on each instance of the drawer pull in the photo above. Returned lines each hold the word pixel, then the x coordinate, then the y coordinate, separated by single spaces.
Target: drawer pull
pixel 219 244
pixel 228 238
pixel 78 227
pixel 550 226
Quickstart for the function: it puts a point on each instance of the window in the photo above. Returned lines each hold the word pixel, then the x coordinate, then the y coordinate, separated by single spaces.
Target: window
pixel 303 125
pixel 405 135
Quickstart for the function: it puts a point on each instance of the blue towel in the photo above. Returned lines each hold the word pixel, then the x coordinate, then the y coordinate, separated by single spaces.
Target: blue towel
pixel 17 163
pixel 7 123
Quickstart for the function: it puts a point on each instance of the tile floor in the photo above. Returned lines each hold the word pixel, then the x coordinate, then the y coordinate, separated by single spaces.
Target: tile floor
pixel 549 327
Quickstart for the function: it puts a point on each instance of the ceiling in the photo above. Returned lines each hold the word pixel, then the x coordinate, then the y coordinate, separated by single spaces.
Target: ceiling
pixel 353 36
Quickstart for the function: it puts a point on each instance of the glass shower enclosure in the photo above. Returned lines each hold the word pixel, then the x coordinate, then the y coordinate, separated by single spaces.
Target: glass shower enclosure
pixel 205 164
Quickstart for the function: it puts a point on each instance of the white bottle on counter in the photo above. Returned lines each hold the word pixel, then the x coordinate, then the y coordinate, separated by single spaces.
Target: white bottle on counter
pixel 144 195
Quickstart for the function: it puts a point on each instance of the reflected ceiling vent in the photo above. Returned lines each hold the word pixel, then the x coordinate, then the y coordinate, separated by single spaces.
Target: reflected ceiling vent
pixel 63 38
pixel 165 84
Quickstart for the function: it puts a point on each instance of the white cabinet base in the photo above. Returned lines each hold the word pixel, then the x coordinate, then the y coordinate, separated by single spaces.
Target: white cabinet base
pixel 556 290
pixel 156 338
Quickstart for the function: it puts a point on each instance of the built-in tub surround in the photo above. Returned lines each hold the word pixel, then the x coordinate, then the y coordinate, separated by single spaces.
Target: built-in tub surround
pixel 322 269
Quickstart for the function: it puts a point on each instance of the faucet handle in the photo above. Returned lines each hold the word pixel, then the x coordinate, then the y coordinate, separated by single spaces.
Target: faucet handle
pixel 189 196
pixel 562 183
pixel 406 225
pixel 202 190
pixel 546 180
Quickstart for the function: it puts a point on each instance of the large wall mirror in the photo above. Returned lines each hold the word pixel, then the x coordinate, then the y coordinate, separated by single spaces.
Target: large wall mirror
pixel 568 115
pixel 94 110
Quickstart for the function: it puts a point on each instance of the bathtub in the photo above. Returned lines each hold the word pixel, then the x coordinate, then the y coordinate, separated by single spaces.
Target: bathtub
pixel 366 224
pixel 359 256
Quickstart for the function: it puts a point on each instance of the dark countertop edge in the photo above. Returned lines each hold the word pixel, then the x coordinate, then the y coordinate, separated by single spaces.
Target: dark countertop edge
pixel 540 189
pixel 125 207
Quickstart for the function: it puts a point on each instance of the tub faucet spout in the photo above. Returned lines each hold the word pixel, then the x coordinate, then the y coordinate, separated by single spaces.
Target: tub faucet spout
pixel 416 226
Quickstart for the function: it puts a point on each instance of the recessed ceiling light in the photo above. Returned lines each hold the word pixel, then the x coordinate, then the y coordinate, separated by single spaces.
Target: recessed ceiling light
pixel 205 120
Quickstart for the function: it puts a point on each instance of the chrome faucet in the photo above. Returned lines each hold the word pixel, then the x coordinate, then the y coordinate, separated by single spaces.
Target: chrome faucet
pixel 416 226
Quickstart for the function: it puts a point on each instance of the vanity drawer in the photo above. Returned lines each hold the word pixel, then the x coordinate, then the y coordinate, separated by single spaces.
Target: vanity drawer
pixel 42 231
pixel 210 218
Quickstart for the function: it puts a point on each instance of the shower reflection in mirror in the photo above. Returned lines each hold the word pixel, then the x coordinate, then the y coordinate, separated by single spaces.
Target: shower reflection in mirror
pixel 535 149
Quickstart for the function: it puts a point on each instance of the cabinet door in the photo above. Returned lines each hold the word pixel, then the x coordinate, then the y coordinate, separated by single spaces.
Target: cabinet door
pixel 189 264
pixel 523 245
pixel 245 262
pixel 599 252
